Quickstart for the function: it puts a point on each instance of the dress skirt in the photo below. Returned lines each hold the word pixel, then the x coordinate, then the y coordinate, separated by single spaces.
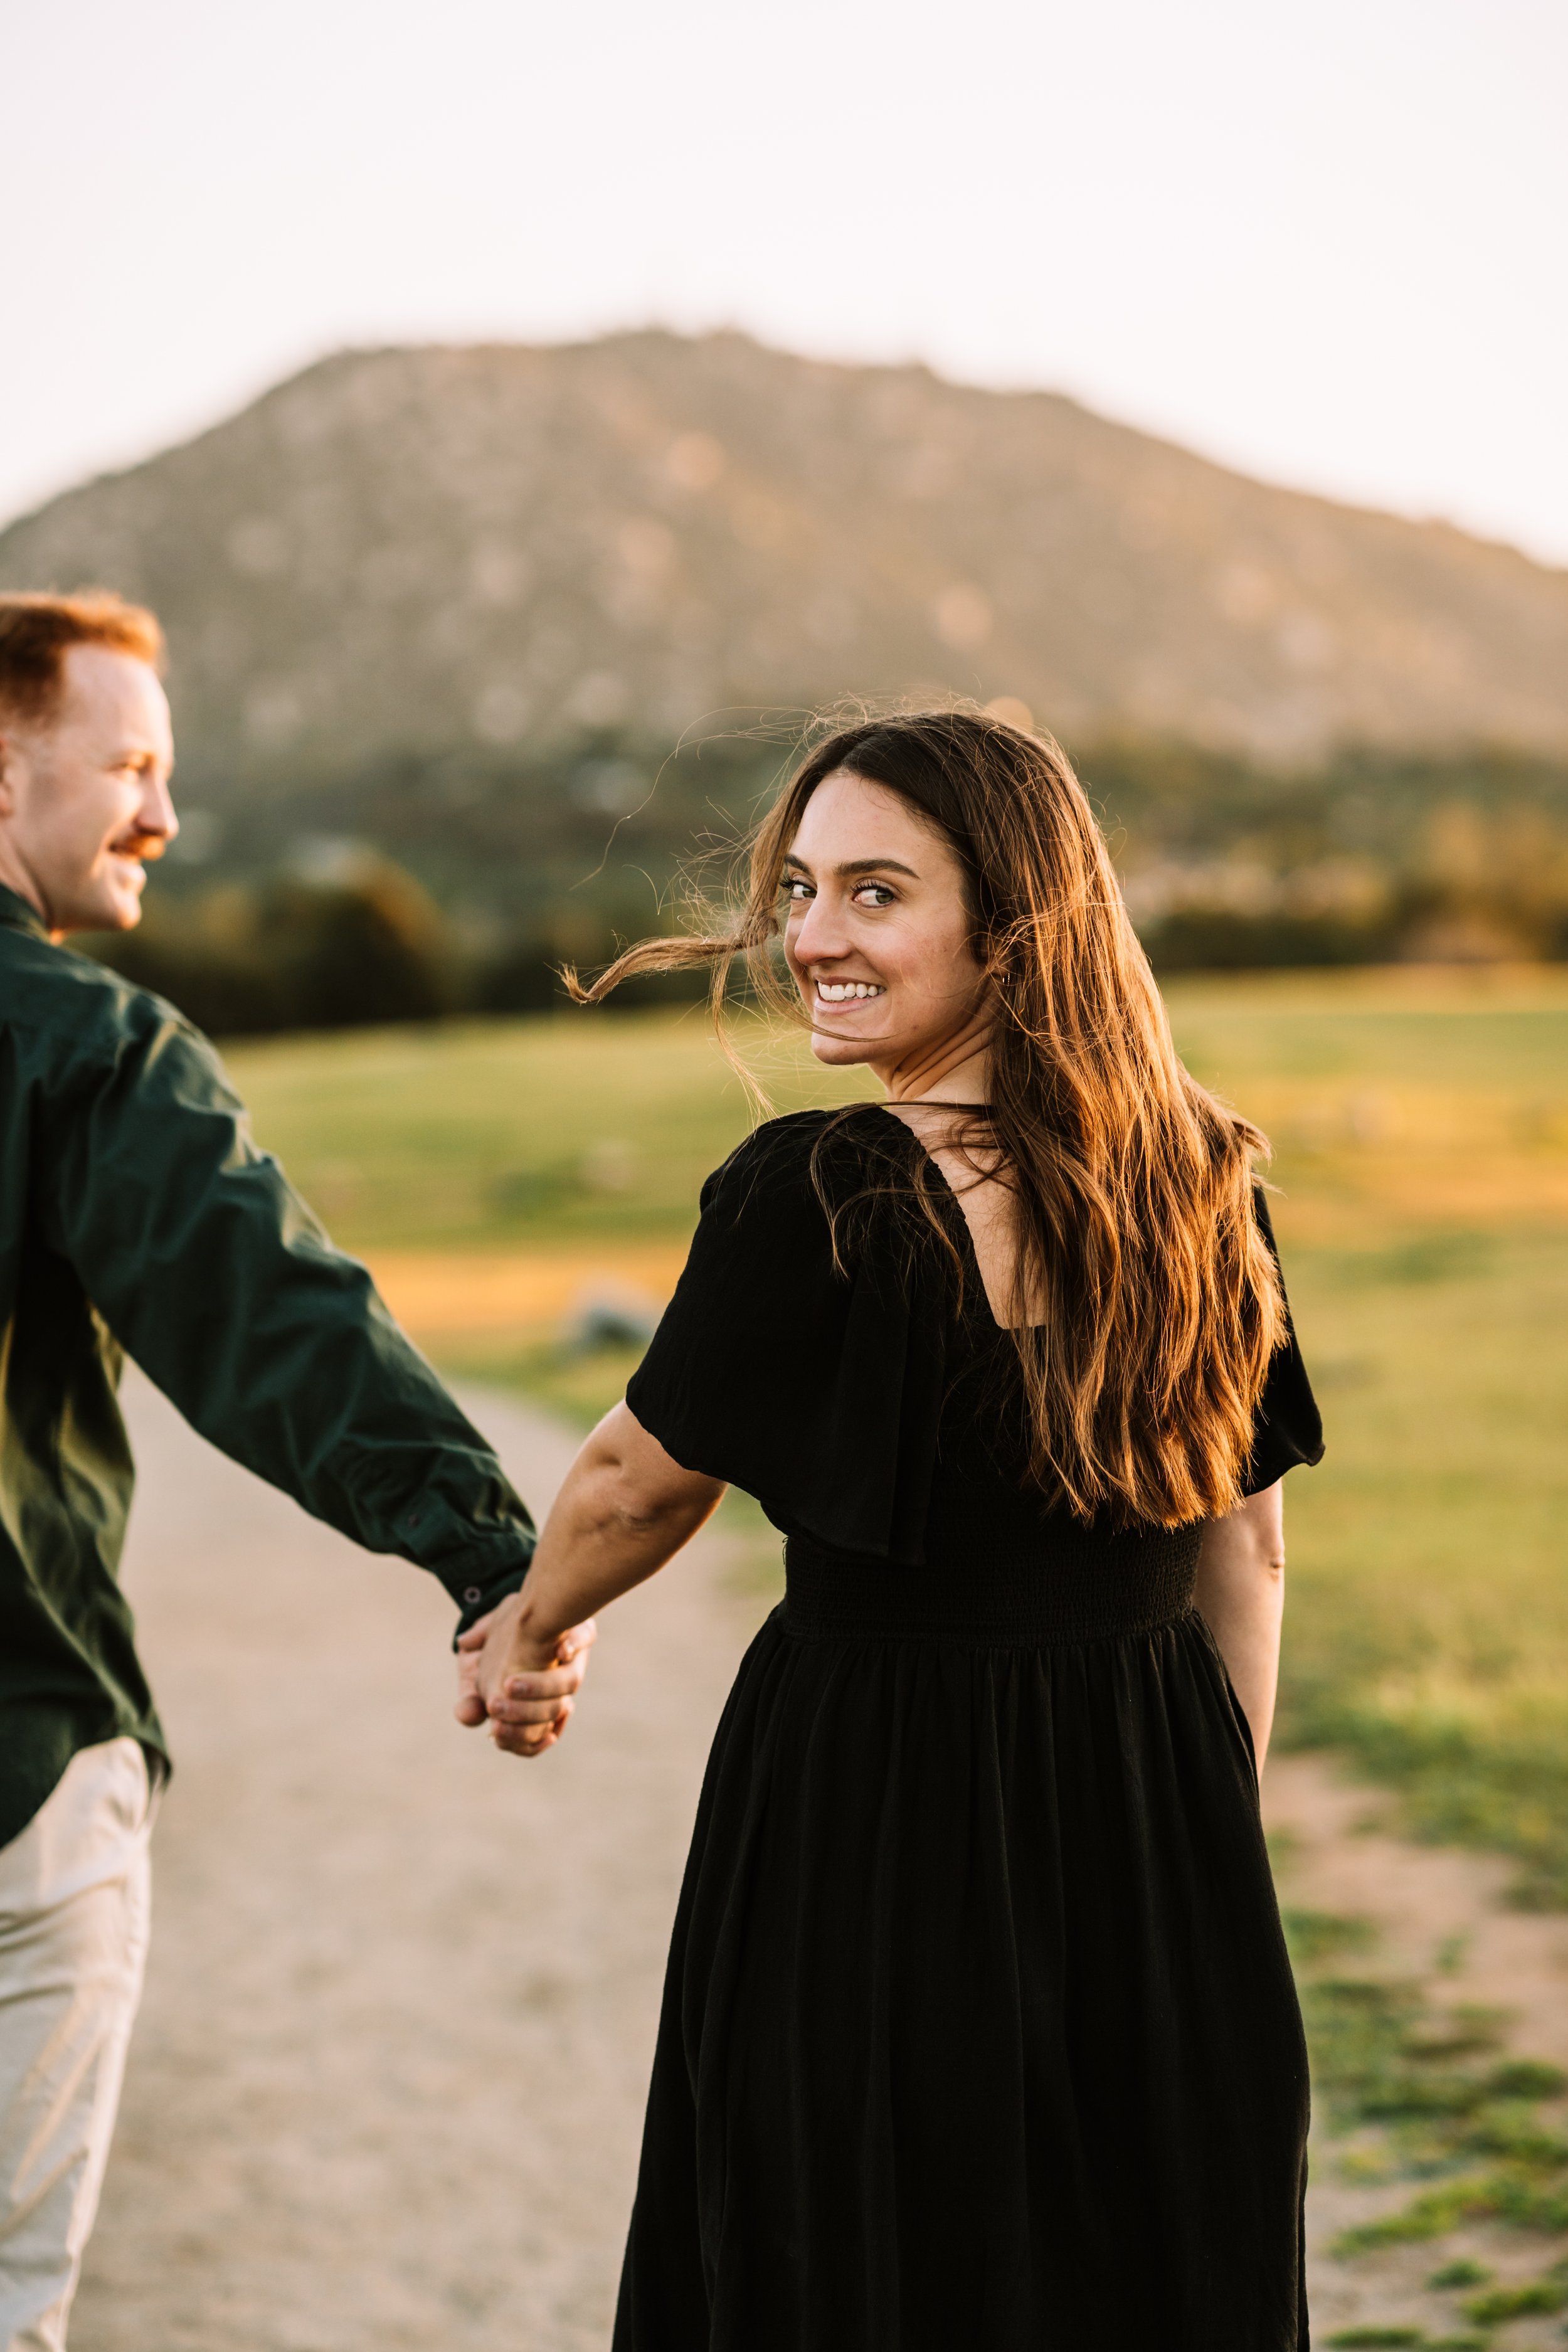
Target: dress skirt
pixel 979 2030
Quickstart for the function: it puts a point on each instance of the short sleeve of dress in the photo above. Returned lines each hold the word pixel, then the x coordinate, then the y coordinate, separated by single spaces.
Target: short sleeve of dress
pixel 1288 1428
pixel 805 1383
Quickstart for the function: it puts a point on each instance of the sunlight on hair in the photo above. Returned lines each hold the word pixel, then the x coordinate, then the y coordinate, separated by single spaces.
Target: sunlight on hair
pixel 1137 1222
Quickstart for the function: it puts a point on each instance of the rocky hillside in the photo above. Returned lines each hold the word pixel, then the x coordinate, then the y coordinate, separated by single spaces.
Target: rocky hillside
pixel 508 549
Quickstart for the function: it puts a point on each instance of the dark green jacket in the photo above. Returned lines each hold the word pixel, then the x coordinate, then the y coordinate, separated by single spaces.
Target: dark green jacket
pixel 136 1214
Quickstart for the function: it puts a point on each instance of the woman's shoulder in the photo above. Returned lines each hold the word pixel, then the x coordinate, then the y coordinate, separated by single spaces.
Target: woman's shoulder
pixel 846 1453
pixel 806 1153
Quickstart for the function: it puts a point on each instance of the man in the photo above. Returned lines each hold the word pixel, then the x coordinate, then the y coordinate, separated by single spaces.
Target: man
pixel 136 1213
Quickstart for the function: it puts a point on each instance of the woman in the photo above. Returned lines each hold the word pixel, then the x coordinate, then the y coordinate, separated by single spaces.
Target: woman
pixel 978 2028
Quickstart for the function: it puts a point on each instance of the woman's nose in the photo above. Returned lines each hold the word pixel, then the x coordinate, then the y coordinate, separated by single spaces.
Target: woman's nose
pixel 820 935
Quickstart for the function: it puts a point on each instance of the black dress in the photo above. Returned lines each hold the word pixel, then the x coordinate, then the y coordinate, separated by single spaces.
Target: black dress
pixel 978 2030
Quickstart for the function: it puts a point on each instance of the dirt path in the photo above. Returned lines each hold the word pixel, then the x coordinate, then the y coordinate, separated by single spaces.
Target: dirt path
pixel 1442 1921
pixel 1439 1913
pixel 388 2081
pixel 387 2086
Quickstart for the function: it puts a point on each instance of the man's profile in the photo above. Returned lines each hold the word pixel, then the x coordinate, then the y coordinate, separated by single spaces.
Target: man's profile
pixel 137 1215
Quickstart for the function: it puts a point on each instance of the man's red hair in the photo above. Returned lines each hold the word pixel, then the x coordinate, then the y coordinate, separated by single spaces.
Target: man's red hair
pixel 36 631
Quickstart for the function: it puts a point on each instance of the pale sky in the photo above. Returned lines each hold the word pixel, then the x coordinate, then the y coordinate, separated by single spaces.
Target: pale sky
pixel 1325 242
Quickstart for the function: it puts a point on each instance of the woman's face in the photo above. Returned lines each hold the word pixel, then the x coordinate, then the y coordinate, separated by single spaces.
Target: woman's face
pixel 878 937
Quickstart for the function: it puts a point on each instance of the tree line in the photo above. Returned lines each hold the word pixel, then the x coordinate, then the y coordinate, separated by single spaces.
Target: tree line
pixel 452 888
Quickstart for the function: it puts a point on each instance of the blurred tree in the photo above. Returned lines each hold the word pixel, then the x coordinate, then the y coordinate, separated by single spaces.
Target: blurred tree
pixel 296 955
pixel 204 957
pixel 375 949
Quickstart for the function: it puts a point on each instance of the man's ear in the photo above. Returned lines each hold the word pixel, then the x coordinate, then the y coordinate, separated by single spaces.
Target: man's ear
pixel 18 762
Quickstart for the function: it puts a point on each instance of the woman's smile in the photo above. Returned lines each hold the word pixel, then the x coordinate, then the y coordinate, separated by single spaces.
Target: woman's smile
pixel 834 994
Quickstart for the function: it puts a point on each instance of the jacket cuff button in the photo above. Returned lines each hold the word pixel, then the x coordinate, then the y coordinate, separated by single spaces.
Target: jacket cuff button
pixel 471 1593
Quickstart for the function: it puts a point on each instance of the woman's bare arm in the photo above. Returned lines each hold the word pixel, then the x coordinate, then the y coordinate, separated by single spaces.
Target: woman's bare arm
pixel 1241 1593
pixel 624 1509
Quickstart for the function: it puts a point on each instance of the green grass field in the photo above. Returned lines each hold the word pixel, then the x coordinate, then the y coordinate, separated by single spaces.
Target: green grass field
pixel 1420 1120
pixel 561 1129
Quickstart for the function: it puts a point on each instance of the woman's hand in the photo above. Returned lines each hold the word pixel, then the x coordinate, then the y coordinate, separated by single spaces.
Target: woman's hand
pixel 625 1508
pixel 522 1683
pixel 1241 1593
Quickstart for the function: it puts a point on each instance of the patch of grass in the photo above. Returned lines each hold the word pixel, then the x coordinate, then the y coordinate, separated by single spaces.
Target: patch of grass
pixel 1500 2303
pixel 1433 1257
pixel 1428 1617
pixel 1367 2337
pixel 1314 1937
pixel 1462 2273
pixel 1529 2078
pixel 1483 2197
pixel 1422 2090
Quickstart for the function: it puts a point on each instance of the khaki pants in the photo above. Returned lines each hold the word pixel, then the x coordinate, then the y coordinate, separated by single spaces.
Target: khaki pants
pixel 73 1942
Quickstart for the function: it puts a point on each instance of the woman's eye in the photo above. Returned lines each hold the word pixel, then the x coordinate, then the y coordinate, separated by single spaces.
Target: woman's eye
pixel 874 894
pixel 798 892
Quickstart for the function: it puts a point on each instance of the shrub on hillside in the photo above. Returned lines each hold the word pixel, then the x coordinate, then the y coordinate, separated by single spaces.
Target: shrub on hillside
pixel 1217 939
pixel 355 952
pixel 295 955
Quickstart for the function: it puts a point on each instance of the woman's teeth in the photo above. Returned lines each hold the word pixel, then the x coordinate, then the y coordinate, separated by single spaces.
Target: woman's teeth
pixel 839 991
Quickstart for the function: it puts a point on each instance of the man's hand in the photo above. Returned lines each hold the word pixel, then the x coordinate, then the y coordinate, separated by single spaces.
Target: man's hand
pixel 624 1509
pixel 521 1687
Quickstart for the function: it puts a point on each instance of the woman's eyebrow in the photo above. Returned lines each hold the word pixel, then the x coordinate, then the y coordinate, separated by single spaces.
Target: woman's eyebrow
pixel 857 866
pixel 877 866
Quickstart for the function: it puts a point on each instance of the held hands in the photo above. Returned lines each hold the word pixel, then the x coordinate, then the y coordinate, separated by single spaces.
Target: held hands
pixel 519 1682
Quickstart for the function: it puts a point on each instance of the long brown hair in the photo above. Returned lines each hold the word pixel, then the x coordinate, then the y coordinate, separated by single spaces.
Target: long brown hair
pixel 1135 1221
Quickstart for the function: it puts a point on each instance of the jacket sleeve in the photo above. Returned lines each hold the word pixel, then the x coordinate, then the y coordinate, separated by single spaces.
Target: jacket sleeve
pixel 219 1281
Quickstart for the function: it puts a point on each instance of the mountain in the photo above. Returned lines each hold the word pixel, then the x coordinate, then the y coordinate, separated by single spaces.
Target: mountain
pixel 399 554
